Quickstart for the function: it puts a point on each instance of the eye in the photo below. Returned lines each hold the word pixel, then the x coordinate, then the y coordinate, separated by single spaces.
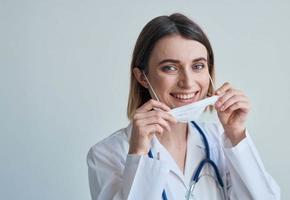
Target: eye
pixel 168 68
pixel 198 66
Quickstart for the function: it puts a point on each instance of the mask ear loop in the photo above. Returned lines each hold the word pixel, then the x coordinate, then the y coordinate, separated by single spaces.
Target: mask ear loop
pixel 155 95
pixel 212 83
pixel 214 88
pixel 151 88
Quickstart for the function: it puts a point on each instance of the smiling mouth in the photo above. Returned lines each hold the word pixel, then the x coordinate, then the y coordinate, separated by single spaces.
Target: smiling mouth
pixel 184 96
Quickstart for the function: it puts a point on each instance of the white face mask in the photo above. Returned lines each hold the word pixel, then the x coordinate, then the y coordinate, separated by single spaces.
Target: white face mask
pixel 189 112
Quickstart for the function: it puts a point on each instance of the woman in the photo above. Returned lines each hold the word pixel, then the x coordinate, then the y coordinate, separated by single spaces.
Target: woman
pixel 158 157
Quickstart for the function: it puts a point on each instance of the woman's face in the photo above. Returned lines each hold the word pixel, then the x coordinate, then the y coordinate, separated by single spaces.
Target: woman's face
pixel 178 71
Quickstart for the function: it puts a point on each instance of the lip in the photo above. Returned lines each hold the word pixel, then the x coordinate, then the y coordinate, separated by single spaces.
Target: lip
pixel 185 101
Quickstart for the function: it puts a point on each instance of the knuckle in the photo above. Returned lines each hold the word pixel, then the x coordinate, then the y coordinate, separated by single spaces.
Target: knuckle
pixel 235 97
pixel 158 119
pixel 159 129
pixel 226 104
pixel 151 101
pixel 156 127
pixel 227 84
pixel 237 105
pixel 135 117
pixel 137 123
pixel 158 113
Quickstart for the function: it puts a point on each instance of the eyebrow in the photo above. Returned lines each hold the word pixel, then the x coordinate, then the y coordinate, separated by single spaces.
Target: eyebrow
pixel 177 61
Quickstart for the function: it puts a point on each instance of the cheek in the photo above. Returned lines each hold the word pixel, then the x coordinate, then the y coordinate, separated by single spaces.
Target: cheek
pixel 163 84
pixel 204 84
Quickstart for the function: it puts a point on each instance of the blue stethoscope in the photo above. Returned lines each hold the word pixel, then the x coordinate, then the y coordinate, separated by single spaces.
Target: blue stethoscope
pixel 205 161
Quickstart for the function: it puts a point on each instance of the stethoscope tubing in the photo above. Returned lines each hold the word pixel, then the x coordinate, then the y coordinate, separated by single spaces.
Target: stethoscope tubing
pixel 205 161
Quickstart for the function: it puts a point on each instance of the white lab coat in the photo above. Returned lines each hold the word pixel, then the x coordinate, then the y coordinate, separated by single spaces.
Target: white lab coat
pixel 113 174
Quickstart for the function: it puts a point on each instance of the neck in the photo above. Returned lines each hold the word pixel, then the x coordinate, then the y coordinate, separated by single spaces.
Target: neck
pixel 175 142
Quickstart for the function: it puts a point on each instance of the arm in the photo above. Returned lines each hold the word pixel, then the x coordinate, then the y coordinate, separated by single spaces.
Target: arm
pixel 248 178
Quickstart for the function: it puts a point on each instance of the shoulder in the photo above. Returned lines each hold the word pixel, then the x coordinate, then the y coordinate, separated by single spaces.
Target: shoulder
pixel 111 150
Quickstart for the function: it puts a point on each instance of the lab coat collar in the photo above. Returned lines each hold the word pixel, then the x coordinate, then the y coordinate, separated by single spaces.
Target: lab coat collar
pixel 160 152
pixel 195 152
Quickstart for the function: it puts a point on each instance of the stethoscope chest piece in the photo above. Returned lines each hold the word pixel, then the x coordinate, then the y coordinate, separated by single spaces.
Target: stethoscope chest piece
pixel 189 195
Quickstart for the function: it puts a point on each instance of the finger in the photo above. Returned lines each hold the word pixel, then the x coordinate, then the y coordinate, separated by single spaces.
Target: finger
pixel 227 96
pixel 153 128
pixel 156 120
pixel 226 86
pixel 165 115
pixel 244 106
pixel 149 105
pixel 234 99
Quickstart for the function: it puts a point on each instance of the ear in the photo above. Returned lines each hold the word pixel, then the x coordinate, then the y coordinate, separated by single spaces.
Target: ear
pixel 140 77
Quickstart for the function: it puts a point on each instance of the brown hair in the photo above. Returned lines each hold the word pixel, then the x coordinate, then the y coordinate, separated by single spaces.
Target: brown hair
pixel 153 31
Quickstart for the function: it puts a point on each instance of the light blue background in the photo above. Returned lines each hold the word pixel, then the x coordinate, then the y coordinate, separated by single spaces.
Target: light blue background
pixel 64 78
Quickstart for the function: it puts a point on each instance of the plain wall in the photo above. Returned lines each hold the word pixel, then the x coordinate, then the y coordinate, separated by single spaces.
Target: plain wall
pixel 64 80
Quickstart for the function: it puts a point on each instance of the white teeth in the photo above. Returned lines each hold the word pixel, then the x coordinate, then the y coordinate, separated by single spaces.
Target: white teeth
pixel 184 96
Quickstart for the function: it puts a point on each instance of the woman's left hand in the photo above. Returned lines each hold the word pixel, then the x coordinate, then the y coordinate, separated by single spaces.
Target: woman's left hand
pixel 232 108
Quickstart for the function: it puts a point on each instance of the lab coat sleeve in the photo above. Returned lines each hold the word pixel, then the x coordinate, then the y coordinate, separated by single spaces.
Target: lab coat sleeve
pixel 247 176
pixel 138 177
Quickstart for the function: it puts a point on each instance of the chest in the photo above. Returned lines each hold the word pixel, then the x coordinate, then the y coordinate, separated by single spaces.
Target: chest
pixel 179 156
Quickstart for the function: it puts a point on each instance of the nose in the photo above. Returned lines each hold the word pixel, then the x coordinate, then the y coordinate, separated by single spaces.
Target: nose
pixel 186 79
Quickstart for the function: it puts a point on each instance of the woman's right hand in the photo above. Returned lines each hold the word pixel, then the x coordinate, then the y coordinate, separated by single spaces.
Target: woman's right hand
pixel 150 118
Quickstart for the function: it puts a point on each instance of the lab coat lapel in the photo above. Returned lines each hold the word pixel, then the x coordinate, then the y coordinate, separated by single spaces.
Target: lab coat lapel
pixel 160 152
pixel 195 152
